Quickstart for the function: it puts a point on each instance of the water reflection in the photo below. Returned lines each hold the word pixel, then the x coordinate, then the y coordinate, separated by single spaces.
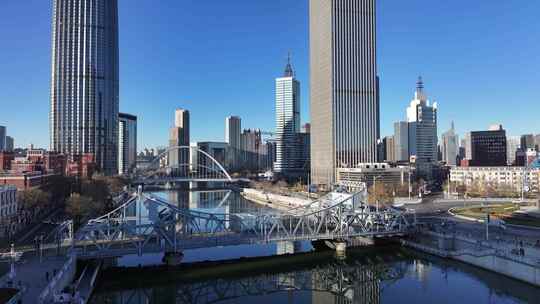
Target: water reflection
pixel 394 277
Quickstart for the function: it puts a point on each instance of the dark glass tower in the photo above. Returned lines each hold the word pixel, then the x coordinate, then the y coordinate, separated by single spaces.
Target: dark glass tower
pixel 84 86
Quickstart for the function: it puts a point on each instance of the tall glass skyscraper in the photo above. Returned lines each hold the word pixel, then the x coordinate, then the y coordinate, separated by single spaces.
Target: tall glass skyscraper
pixel 84 86
pixel 288 149
pixel 344 86
pixel 127 143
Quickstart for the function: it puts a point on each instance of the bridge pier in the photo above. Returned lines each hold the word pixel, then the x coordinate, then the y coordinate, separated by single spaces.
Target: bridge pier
pixel 341 249
pixel 288 247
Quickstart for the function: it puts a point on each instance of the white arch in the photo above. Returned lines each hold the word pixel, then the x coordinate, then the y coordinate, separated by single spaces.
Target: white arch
pixel 166 152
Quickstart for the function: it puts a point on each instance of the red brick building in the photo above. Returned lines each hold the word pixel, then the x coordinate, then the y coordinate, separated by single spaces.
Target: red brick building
pixel 5 160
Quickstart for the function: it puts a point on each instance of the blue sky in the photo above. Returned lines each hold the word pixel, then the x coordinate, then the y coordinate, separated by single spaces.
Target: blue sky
pixel 480 61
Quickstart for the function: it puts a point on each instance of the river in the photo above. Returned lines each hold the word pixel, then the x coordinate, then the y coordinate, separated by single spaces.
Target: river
pixel 374 275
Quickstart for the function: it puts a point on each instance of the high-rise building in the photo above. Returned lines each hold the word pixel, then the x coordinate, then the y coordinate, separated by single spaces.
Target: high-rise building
pixel 390 148
pixel 344 86
pixel 401 141
pixel 10 144
pixel 487 148
pixel 513 144
pixel 84 80
pixel 537 142
pixel 2 138
pixel 127 143
pixel 233 129
pixel 527 142
pixel 450 147
pixel 288 147
pixel 422 119
pixel 179 137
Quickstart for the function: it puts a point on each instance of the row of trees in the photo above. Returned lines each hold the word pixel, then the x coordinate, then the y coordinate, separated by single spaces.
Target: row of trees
pixel 485 189
pixel 80 198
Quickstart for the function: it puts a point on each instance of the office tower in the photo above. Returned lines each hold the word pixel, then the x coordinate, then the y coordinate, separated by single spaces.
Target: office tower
pixel 487 148
pixel 2 138
pixel 390 148
pixel 233 129
pixel 10 144
pixel 287 122
pixel 127 143
pixel 401 141
pixel 344 86
pixel 422 119
pixel 179 137
pixel 84 80
pixel 450 146
pixel 527 142
pixel 513 144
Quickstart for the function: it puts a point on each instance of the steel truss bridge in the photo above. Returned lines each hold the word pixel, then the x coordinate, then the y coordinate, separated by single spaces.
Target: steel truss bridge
pixel 184 164
pixel 146 223
pixel 337 282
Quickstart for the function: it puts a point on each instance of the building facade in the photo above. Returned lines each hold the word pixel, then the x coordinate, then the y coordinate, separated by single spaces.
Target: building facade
pixel 510 176
pixel 288 145
pixel 390 149
pixel 2 138
pixel 179 137
pixel 8 208
pixel 127 143
pixel 344 86
pixel 422 121
pixel 233 130
pixel 450 147
pixel 513 144
pixel 487 148
pixel 527 142
pixel 85 80
pixel 366 174
pixel 401 141
pixel 10 144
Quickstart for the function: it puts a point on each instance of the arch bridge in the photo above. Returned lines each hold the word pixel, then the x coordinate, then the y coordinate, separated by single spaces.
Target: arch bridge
pixel 184 164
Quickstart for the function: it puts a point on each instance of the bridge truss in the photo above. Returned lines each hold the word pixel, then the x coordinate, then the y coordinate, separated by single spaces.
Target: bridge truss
pixel 147 223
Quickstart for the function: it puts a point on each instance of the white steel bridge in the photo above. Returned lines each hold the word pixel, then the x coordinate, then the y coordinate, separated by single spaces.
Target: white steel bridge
pixel 146 223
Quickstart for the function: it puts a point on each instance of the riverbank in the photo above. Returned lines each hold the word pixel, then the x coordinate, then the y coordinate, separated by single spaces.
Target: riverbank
pixel 276 201
pixel 522 265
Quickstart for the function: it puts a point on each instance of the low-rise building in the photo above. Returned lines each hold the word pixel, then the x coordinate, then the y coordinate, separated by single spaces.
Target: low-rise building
pixel 8 202
pixel 510 176
pixel 354 179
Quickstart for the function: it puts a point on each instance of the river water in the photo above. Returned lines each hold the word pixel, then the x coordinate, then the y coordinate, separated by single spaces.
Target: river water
pixel 376 275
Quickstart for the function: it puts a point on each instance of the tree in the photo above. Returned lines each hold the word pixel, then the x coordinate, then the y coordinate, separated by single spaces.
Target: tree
pixel 79 207
pixel 33 198
pixel 379 193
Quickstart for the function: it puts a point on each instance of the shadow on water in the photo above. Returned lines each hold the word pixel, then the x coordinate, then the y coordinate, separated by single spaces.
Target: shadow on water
pixel 368 275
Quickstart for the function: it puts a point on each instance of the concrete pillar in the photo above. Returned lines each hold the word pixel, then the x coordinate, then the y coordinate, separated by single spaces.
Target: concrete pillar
pixel 341 247
pixel 193 185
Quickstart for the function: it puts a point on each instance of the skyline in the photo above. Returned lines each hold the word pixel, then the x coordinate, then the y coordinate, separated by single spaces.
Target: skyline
pixel 143 85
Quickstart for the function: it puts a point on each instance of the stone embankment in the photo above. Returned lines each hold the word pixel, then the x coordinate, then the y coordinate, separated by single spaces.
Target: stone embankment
pixel 523 265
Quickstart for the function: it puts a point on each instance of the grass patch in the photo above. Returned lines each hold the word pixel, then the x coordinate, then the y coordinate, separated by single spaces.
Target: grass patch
pixel 505 212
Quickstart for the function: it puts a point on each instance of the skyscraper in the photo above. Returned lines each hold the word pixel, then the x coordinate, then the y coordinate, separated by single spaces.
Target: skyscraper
pixel 487 148
pixel 344 86
pixel 401 141
pixel 422 118
pixel 10 144
pixel 179 137
pixel 2 138
pixel 450 146
pixel 84 80
pixel 233 129
pixel 287 122
pixel 127 143
pixel 513 144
